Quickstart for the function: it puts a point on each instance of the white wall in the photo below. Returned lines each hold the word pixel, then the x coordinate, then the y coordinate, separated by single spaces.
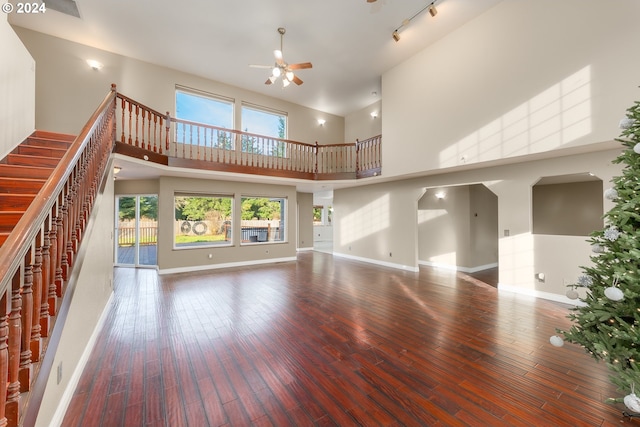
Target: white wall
pixel 525 77
pixel 17 90
pixel 361 125
pixel 373 221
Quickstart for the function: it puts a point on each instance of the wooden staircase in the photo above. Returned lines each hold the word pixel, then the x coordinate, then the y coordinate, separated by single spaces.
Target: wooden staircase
pixel 24 171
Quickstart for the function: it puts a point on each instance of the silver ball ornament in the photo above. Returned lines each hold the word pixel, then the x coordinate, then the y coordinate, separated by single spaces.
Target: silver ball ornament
pixel 611 194
pixel 572 294
pixel 556 341
pixel 614 294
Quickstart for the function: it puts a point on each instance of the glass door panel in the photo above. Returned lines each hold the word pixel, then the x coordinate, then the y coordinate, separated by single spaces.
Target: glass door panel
pixel 137 230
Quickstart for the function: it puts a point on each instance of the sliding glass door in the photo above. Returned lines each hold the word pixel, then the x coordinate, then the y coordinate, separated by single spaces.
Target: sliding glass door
pixel 137 230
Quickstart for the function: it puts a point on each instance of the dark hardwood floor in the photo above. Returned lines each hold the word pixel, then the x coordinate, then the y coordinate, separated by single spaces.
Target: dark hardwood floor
pixel 332 342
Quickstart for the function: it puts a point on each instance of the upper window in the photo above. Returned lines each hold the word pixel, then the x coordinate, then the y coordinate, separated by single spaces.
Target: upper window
pixel 262 121
pixel 207 109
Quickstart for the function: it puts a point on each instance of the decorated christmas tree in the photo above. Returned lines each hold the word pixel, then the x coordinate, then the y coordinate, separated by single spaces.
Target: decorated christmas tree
pixel 607 324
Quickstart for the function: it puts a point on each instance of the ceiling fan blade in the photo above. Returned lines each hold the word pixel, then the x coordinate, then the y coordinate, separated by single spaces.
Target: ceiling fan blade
pixel 300 66
pixel 297 80
pixel 268 82
pixel 278 55
pixel 371 1
pixel 260 66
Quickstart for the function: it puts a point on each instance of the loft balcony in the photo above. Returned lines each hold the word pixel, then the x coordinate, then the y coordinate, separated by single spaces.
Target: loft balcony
pixel 145 133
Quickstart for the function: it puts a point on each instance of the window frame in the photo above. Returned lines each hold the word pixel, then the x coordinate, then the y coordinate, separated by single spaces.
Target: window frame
pixel 283 221
pixel 224 243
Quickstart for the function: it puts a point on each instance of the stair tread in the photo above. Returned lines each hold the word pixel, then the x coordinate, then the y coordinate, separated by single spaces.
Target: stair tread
pixel 54 135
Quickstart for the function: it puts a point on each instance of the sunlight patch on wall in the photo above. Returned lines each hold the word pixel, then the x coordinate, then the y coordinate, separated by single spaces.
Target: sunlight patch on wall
pixel 517 261
pixel 425 215
pixel 448 260
pixel 557 116
pixel 367 220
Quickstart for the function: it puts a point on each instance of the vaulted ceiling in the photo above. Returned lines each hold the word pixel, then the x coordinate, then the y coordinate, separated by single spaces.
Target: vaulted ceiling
pixel 348 42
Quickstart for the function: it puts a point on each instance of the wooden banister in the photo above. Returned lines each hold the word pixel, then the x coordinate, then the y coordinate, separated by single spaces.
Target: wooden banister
pixel 36 257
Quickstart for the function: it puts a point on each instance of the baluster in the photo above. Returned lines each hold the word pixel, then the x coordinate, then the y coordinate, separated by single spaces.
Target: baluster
pixel 46 258
pixel 167 127
pixel 122 139
pixel 198 139
pixel 155 129
pixel 53 249
pixel 61 256
pixel 4 353
pixel 137 115
pixel 24 373
pixel 13 381
pixel 37 299
pixel 144 116
pixel 130 109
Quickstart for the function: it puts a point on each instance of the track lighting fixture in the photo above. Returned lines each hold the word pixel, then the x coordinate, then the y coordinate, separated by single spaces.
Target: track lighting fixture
pixel 432 11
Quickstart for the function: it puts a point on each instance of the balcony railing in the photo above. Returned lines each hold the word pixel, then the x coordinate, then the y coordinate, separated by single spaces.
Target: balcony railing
pixel 184 143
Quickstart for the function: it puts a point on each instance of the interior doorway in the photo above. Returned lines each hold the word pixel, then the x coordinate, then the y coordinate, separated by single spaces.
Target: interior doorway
pixel 458 229
pixel 136 229
pixel 323 221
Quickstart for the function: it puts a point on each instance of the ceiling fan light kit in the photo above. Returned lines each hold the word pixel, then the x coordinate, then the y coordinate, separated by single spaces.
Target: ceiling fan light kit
pixel 281 69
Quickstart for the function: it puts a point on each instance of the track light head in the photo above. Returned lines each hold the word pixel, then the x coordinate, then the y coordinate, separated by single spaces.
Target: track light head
pixel 432 10
pixel 396 36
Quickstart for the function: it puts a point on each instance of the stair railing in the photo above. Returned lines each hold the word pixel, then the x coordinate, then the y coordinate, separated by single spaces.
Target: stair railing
pixel 36 261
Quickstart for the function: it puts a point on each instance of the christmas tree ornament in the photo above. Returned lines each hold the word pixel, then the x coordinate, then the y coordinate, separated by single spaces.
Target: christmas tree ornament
pixel 572 294
pixel 596 248
pixel 632 401
pixel 585 281
pixel 556 341
pixel 626 123
pixel 636 148
pixel 612 233
pixel 611 194
pixel 614 293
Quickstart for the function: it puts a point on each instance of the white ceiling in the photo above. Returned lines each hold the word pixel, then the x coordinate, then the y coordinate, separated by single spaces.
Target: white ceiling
pixel 348 41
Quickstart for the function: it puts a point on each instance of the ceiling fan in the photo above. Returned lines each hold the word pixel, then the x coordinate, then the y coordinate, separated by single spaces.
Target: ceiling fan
pixel 281 68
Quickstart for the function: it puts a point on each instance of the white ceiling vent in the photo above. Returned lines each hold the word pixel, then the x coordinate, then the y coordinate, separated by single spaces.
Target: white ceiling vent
pixel 67 7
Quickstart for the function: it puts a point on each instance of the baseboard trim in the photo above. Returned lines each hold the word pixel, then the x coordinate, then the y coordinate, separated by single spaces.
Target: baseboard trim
pixel 305 249
pixel 67 395
pixel 458 268
pixel 378 262
pixel 223 265
pixel 540 294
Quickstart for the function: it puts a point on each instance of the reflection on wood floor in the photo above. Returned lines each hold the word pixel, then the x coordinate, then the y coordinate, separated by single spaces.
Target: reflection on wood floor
pixel 329 341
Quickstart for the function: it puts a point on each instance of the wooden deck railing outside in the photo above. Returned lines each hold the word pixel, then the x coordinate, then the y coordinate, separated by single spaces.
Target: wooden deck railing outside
pixel 216 148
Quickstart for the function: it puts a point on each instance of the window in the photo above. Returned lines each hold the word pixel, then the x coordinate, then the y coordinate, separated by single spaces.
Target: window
pixel 317 215
pixel 204 108
pixel 263 219
pixel 322 215
pixel 202 220
pixel 261 121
